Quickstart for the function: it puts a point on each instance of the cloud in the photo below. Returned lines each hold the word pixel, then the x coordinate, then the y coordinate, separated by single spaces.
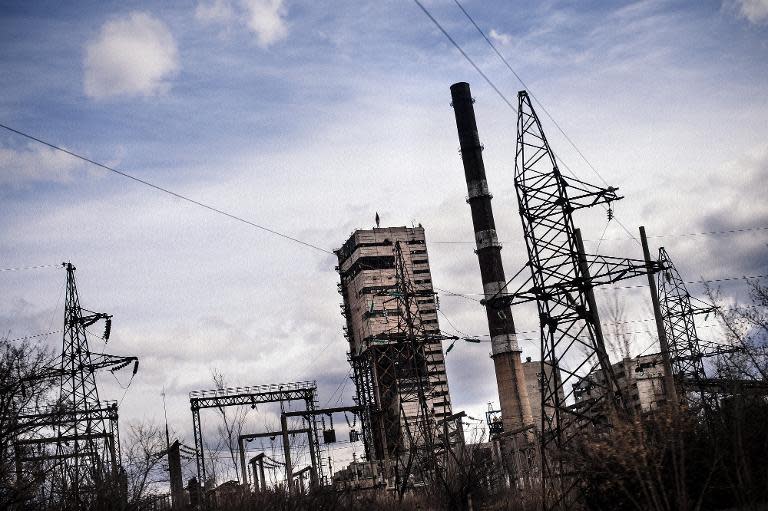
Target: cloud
pixel 35 164
pixel 754 11
pixel 500 37
pixel 132 56
pixel 265 18
pixel 216 11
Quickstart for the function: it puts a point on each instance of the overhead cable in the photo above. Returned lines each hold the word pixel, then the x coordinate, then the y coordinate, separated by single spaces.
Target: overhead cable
pixel 166 190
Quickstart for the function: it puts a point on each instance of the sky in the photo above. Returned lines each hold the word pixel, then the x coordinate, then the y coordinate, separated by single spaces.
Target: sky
pixel 308 118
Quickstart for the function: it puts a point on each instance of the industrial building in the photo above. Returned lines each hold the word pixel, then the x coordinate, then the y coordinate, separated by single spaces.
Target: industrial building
pixel 398 365
pixel 640 380
pixel 532 370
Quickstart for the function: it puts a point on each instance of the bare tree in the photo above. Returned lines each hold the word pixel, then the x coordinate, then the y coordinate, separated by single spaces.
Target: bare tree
pixel 746 327
pixel 21 390
pixel 619 341
pixel 144 452
pixel 232 423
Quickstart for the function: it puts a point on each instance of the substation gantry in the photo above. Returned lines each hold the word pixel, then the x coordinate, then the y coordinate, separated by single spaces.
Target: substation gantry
pixel 305 392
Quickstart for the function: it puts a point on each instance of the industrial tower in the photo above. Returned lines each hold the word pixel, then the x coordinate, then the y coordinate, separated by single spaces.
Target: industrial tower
pixel 395 346
pixel 561 282
pixel 505 351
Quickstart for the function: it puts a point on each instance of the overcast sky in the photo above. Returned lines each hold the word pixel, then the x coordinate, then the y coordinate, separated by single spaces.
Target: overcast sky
pixel 310 117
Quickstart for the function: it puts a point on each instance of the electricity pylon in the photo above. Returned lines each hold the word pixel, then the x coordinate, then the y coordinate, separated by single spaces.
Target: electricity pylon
pixel 562 281
pixel 686 354
pixel 87 454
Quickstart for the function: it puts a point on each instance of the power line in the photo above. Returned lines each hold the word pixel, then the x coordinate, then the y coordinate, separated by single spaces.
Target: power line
pixel 456 45
pixel 705 281
pixel 503 97
pixel 166 190
pixel 506 63
pixel 20 268
pixel 669 235
pixel 712 233
pixel 460 295
pixel 474 338
pixel 726 279
pixel 32 336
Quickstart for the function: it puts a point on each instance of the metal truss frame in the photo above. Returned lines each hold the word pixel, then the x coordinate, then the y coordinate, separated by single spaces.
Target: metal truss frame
pixel 688 351
pixel 678 312
pixel 391 374
pixel 249 396
pixel 85 429
pixel 562 281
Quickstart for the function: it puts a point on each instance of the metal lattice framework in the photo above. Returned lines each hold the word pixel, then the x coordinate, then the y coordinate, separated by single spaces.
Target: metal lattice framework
pixel 371 417
pixel 305 391
pixel 561 283
pixel 91 456
pixel 679 312
pixel 410 374
pixel 76 439
pixel 397 361
pixel 688 351
pixel 78 435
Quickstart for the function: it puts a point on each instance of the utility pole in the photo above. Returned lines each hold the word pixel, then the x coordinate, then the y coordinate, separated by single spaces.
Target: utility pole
pixel 670 389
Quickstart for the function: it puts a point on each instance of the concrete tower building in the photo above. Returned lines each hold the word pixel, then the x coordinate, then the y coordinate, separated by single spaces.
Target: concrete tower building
pixel 392 377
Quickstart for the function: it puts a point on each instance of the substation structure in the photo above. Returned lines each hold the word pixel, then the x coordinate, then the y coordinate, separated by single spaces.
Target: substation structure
pixel 257 462
pixel 309 416
pixel 71 448
pixel 305 392
pixel 395 351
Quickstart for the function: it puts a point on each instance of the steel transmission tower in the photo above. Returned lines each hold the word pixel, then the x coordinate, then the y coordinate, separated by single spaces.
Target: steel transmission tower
pixel 87 440
pixel 680 329
pixel 562 281
pixel 407 374
pixel 700 393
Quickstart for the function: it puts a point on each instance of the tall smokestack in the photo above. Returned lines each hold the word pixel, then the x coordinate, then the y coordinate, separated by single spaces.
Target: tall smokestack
pixel 510 378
